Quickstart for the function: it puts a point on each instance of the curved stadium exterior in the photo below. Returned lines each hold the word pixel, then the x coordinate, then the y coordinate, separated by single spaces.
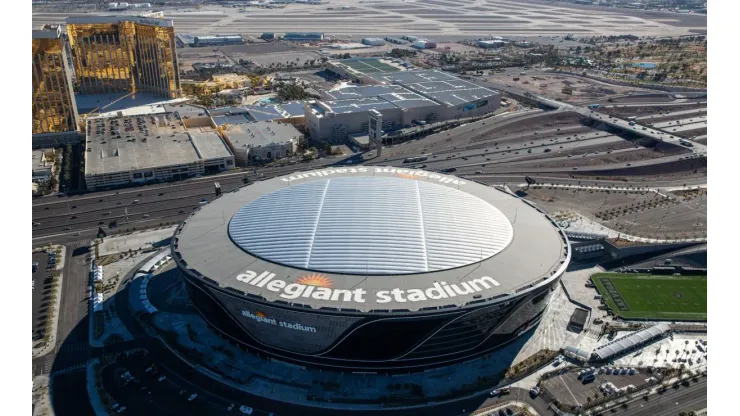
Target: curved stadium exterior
pixel 370 268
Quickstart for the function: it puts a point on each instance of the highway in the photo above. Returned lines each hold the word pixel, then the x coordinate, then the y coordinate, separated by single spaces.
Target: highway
pixel 473 149
pixel 670 403
pixel 654 133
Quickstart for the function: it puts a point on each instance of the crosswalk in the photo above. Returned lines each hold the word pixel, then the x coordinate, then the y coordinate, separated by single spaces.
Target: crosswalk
pixel 68 370
pixel 74 347
pixel 48 363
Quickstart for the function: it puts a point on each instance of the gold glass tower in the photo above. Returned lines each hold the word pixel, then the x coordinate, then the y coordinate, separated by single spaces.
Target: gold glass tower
pixel 124 54
pixel 54 109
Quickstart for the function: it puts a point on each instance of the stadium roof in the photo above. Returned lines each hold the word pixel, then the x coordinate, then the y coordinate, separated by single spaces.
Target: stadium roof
pixel 434 227
pixel 375 230
pixel 622 345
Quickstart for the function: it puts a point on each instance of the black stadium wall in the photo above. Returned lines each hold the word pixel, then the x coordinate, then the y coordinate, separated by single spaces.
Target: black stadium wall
pixel 353 341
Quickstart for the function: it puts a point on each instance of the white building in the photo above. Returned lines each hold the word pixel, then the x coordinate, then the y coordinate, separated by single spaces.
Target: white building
pixel 261 141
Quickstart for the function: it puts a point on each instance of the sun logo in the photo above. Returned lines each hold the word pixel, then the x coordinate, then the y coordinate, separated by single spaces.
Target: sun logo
pixel 315 279
pixel 261 314
pixel 406 176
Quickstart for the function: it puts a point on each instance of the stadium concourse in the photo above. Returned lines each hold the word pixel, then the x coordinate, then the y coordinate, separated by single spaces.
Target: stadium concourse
pixel 315 267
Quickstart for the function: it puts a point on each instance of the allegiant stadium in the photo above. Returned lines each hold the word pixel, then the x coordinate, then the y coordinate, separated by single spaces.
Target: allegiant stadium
pixel 375 269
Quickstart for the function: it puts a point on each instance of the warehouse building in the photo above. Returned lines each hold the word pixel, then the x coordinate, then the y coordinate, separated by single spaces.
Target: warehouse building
pixel 155 147
pixel 373 41
pixel 489 44
pixel 424 44
pixel 218 40
pixel 403 97
pixel 261 141
pixel 303 36
pixel 346 113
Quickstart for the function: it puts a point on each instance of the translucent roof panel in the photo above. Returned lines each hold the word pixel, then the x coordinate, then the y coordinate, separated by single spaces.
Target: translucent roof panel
pixel 371 225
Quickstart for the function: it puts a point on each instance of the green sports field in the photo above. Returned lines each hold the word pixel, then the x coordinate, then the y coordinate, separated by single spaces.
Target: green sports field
pixel 644 296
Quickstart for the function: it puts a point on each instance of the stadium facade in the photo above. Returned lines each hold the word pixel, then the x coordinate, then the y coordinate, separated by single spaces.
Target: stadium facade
pixel 370 268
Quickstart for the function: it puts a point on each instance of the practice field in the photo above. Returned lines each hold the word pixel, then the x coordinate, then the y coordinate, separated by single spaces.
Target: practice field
pixel 654 296
pixel 368 66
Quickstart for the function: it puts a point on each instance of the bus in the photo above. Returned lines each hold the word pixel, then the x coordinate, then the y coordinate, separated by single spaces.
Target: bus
pixel 632 118
pixel 415 159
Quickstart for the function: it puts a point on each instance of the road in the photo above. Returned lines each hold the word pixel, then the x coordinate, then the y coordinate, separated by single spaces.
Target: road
pixel 670 403
pixel 72 346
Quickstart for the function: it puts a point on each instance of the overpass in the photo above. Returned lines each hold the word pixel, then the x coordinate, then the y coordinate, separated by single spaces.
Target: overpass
pixel 614 122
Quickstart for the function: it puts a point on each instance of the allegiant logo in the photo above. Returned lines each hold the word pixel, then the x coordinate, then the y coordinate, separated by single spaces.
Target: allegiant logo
pixel 317 288
pixel 404 173
pixel 262 318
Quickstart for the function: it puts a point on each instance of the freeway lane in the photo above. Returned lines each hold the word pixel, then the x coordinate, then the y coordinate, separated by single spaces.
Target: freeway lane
pixel 670 403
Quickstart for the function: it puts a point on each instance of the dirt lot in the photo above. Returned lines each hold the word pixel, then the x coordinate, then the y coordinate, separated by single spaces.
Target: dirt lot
pixel 644 214
pixel 646 111
pixel 552 86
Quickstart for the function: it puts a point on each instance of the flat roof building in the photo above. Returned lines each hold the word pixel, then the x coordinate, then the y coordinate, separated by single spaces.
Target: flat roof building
pixel 402 97
pixel 124 54
pixel 261 141
pixel 54 114
pixel 42 164
pixel 218 40
pixel 303 36
pixel 147 148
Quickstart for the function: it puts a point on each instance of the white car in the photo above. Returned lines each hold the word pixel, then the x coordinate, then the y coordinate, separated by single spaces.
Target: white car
pixel 193 397
pixel 495 393
pixel 161 379
pixel 246 410
pixel 121 409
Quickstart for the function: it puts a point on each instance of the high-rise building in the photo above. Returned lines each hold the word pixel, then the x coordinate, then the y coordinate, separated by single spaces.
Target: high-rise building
pixel 54 109
pixel 124 54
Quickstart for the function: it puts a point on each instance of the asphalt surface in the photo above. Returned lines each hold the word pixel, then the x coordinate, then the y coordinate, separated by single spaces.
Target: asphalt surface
pixel 670 403
pixel 72 345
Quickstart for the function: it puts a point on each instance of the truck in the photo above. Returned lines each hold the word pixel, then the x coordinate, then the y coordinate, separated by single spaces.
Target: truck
pixel 632 118
pixel 685 143
pixel 415 159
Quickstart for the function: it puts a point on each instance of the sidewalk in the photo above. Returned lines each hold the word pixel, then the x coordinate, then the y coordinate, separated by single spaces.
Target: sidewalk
pixel 92 390
pixel 41 396
pixel 492 410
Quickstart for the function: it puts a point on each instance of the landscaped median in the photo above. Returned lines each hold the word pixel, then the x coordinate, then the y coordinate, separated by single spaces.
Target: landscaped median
pixel 654 297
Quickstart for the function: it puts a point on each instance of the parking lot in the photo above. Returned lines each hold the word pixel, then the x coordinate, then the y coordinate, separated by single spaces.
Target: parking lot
pixel 140 385
pixel 42 280
pixel 569 390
